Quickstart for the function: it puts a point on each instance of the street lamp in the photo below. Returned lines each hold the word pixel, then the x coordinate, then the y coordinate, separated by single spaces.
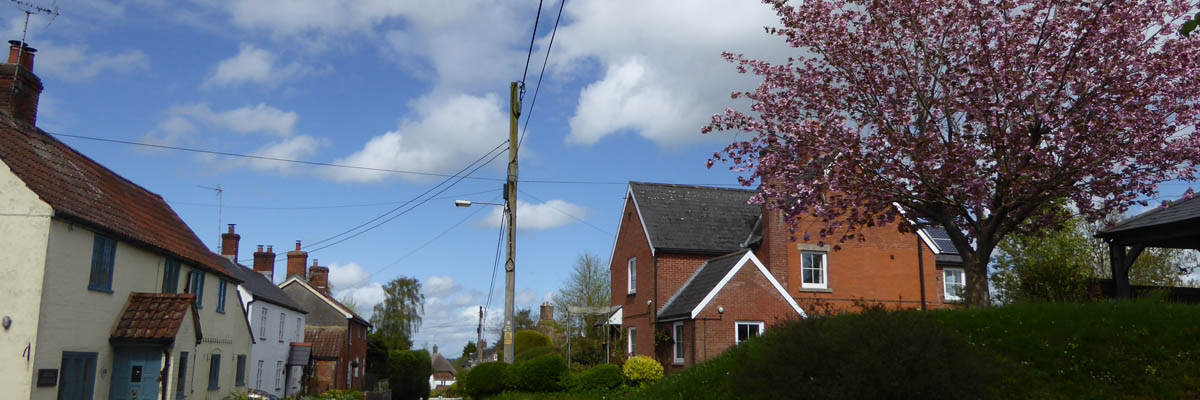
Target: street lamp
pixel 509 269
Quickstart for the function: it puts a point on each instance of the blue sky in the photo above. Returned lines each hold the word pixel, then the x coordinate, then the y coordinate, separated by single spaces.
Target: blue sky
pixel 403 85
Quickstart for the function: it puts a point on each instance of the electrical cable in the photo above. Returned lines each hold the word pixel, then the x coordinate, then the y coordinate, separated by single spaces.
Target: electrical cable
pixel 546 203
pixel 388 203
pixel 538 88
pixel 434 239
pixel 443 182
pixel 495 267
pixel 389 219
pixel 532 37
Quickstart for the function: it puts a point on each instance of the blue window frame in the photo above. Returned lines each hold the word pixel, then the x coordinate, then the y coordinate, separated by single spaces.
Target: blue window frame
pixel 104 251
pixel 77 376
pixel 221 297
pixel 214 372
pixel 170 276
pixel 196 286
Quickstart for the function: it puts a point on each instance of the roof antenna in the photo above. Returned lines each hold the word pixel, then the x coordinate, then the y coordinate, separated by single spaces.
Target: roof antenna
pixel 219 195
pixel 30 9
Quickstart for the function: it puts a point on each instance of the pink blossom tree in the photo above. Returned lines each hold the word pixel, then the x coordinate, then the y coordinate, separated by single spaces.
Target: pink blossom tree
pixel 968 114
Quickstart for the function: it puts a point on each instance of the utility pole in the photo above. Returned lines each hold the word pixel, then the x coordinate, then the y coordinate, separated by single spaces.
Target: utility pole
pixel 510 208
pixel 479 339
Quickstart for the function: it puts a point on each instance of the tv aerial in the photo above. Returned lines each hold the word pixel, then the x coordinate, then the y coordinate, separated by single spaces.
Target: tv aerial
pixel 30 9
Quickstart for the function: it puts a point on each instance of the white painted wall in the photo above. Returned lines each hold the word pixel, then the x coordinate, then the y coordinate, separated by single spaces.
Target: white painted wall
pixel 272 348
pixel 73 318
pixel 25 229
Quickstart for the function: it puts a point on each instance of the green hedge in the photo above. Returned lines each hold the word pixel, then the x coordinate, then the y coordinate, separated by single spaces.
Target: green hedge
pixel 540 374
pixel 486 379
pixel 410 371
pixel 535 352
pixel 600 377
pixel 527 339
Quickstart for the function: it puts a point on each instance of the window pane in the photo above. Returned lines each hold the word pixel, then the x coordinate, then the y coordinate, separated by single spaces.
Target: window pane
pixel 753 328
pixel 214 372
pixel 742 332
pixel 181 379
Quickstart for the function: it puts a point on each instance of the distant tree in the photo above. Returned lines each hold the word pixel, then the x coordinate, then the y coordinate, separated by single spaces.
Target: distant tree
pixel 1058 265
pixel 522 320
pixel 468 351
pixel 398 316
pixel 587 286
pixel 972 115
pixel 349 301
pixel 377 355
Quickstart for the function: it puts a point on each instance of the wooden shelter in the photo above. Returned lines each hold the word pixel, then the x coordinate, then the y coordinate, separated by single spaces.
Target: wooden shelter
pixel 1174 226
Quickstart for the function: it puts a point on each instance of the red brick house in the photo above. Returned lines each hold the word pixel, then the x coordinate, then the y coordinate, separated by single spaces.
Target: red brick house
pixel 704 270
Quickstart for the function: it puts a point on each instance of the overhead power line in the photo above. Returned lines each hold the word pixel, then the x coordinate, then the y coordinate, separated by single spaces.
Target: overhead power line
pixel 538 88
pixel 331 206
pixel 430 241
pixel 495 266
pixel 547 204
pixel 532 37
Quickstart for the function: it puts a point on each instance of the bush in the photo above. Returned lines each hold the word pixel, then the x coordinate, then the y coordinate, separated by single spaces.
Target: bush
pixel 535 352
pixel 527 339
pixel 541 374
pixel 642 370
pixel 340 394
pixel 409 374
pixel 600 377
pixel 879 355
pixel 486 379
pixel 455 390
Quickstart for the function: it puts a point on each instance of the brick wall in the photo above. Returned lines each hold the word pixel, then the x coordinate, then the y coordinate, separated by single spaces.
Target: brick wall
pixel 631 242
pixel 882 268
pixel 749 296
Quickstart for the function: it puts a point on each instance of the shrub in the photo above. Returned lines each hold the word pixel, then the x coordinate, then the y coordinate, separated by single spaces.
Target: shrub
pixel 600 377
pixel 642 370
pixel 409 374
pixel 486 379
pixel 455 390
pixel 540 374
pixel 872 355
pixel 527 339
pixel 340 394
pixel 535 352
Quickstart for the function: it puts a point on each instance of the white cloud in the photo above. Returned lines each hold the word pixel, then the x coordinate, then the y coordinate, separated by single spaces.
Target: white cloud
pixel 348 276
pixel 438 286
pixel 664 77
pixel 74 62
pixel 182 121
pixel 365 297
pixel 254 65
pixel 525 297
pixel 548 215
pixel 293 148
pixel 445 132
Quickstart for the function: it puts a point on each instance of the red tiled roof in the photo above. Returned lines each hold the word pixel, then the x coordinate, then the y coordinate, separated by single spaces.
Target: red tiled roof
pixel 153 317
pixel 80 189
pixel 327 342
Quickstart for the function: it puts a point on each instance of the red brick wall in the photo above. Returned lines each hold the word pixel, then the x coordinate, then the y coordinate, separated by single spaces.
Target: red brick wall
pixel 881 269
pixel 749 296
pixel 357 352
pixel 325 377
pixel 631 242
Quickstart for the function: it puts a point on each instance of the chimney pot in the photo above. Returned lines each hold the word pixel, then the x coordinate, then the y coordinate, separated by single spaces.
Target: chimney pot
pixel 231 228
pixel 23 87
pixel 260 248
pixel 270 249
pixel 229 243
pixel 297 245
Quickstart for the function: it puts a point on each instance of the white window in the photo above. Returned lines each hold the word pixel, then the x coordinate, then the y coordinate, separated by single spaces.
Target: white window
pixel 814 273
pixel 632 345
pixel 632 279
pixel 258 376
pixel 282 320
pixel 262 327
pixel 954 281
pixel 278 373
pixel 677 337
pixel 747 330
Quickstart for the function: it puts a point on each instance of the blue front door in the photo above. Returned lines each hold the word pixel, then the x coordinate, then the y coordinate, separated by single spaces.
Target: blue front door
pixel 136 373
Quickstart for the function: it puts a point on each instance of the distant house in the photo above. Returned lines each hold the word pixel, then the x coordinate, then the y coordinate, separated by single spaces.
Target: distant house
pixel 443 372
pixel 338 334
pixel 279 354
pixel 488 355
pixel 106 292
pixel 706 269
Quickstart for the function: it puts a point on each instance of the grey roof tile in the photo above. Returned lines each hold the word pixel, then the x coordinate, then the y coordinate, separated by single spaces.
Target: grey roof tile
pixel 259 286
pixel 695 218
pixel 699 285
pixel 1180 211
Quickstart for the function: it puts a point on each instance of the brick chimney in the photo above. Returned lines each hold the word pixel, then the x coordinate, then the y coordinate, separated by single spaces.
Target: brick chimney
pixel 435 349
pixel 20 99
pixel 264 262
pixel 776 244
pixel 318 277
pixel 229 244
pixel 296 261
pixel 547 312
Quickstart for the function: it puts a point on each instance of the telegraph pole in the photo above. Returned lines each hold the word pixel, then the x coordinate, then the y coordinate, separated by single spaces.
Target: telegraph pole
pixel 510 208
pixel 479 339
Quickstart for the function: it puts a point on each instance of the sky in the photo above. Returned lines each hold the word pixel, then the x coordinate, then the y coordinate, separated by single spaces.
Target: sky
pixel 418 86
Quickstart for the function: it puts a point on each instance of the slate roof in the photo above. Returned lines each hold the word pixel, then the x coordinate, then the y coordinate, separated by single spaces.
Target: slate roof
pixel 699 285
pixel 261 287
pixel 1188 209
pixel 695 219
pixel 154 317
pixel 80 189
pixel 327 341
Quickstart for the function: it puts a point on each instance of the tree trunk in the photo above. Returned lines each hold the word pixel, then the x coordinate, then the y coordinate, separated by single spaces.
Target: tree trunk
pixel 976 268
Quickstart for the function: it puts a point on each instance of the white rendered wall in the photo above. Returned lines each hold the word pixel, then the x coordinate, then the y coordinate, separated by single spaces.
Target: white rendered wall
pixel 272 348
pixel 25 229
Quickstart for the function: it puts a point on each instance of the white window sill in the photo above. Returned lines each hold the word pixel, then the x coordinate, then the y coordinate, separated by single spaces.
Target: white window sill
pixel 816 290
